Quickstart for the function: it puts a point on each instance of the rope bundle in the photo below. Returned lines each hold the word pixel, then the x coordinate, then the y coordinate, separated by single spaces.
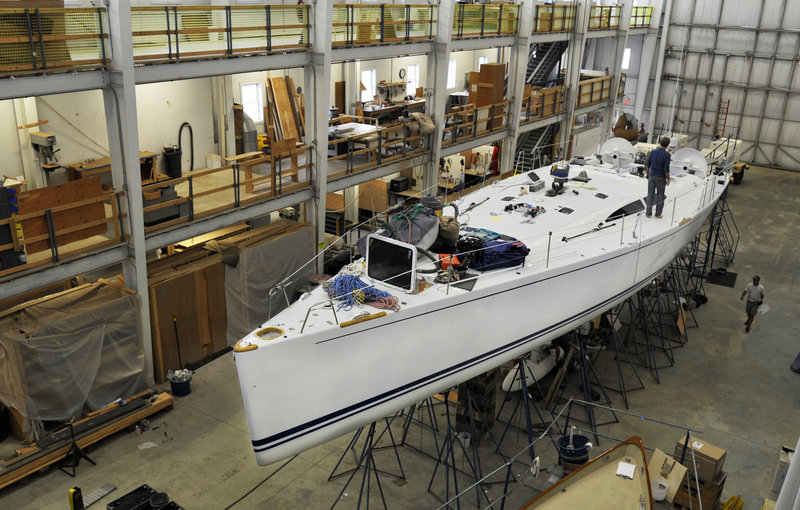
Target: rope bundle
pixel 351 291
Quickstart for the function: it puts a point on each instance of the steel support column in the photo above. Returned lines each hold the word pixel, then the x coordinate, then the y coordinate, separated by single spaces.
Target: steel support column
pixel 517 65
pixel 436 91
pixel 122 125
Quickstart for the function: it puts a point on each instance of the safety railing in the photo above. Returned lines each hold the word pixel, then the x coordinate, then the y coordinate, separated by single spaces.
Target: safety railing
pixel 249 178
pixel 49 40
pixel 372 147
pixel 640 16
pixel 370 24
pixel 468 122
pixel 597 90
pixel 543 103
pixel 176 33
pixel 554 18
pixel 48 234
pixel 604 17
pixel 482 20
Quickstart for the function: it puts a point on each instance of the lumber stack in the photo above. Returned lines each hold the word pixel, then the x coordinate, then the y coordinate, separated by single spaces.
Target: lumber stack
pixel 284 113
pixel 188 312
pixel 98 427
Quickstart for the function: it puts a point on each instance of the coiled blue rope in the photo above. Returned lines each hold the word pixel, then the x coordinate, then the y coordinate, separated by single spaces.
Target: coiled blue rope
pixel 351 291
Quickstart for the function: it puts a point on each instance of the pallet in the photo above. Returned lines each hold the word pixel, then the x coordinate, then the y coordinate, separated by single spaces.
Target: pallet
pixel 38 459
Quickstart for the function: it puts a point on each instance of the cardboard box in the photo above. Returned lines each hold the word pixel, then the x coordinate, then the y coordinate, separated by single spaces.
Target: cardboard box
pixel 784 458
pixel 709 458
pixel 709 491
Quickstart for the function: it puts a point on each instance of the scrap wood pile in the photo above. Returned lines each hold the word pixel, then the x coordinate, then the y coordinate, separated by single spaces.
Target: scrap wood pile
pixel 87 431
pixel 284 112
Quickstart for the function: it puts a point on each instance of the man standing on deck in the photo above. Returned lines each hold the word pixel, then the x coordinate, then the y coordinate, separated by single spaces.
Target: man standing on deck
pixel 657 173
pixel 755 296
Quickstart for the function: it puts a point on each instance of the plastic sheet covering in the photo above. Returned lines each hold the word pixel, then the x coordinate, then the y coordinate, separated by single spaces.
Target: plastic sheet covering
pixel 259 269
pixel 77 350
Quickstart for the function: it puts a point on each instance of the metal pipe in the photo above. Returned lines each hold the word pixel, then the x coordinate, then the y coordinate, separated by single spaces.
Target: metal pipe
pixel 549 238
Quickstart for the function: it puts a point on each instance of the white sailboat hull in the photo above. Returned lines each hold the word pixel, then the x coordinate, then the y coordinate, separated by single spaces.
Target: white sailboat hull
pixel 373 369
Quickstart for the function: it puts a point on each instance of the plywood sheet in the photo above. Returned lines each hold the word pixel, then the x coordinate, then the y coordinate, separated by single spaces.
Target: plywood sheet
pixel 373 196
pixel 62 194
pixel 283 105
pixel 168 300
pixel 217 312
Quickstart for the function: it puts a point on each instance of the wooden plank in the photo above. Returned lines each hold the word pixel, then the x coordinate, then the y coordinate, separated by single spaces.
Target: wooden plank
pixel 338 96
pixel 284 108
pixel 298 114
pixel 373 196
pixel 163 401
pixel 63 194
pixel 217 310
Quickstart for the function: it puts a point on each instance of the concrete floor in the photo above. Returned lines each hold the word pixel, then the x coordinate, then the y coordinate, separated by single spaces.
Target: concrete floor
pixel 735 387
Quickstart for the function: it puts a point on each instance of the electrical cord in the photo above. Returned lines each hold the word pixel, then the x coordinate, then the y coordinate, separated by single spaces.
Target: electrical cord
pixel 259 484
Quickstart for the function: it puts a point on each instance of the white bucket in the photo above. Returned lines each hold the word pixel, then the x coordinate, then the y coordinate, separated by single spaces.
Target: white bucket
pixel 659 488
pixel 213 161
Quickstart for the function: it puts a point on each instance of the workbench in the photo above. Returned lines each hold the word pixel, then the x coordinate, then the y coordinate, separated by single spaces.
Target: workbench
pixel 391 112
pixel 148 167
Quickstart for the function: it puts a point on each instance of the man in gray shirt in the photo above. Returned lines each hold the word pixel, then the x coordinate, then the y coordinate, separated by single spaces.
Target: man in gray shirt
pixel 755 296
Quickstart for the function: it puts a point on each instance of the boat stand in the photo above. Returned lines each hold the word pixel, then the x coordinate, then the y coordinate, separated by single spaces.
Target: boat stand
pixel 74 455
pixel 527 404
pixel 621 351
pixel 469 450
pixel 426 420
pixel 718 243
pixel 687 285
pixel 366 461
pixel 586 367
pixel 653 326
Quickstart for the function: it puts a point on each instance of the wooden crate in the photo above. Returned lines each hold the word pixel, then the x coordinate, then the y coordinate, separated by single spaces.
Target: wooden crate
pixel 69 219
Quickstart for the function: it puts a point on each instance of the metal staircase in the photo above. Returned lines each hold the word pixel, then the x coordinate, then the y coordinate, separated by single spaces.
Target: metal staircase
pixel 542 58
pixel 533 148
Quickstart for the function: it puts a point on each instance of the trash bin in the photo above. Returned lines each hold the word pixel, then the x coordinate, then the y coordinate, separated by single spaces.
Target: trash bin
pixel 577 453
pixel 172 161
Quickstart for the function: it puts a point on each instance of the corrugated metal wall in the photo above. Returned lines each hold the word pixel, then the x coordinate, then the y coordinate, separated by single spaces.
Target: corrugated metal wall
pixel 740 56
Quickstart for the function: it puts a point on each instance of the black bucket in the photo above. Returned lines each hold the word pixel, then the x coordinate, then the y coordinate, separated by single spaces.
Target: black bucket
pixel 172 162
pixel 181 388
pixel 578 453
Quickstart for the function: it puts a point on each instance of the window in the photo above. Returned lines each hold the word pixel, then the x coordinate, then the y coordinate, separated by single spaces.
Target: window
pixel 368 81
pixel 253 100
pixel 482 60
pixel 412 75
pixel 626 58
pixel 451 74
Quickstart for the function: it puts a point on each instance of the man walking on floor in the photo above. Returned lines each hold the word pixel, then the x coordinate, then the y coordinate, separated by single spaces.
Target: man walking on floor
pixel 657 173
pixel 755 296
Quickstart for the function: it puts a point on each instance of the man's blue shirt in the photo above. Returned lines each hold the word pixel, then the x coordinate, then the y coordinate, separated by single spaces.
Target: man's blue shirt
pixel 658 162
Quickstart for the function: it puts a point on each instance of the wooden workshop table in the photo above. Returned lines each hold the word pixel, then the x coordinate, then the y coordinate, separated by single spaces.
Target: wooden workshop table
pixel 147 160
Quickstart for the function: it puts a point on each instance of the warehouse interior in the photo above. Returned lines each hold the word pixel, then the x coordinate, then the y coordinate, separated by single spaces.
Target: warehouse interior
pixel 177 173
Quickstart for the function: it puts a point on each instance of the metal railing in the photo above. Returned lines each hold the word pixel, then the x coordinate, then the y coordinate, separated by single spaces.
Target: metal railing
pixel 248 179
pixel 542 103
pixel 50 235
pixel 482 20
pixel 640 16
pixel 370 24
pixel 597 90
pixel 554 18
pixel 176 33
pixel 604 17
pixel 385 144
pixel 48 40
pixel 469 122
